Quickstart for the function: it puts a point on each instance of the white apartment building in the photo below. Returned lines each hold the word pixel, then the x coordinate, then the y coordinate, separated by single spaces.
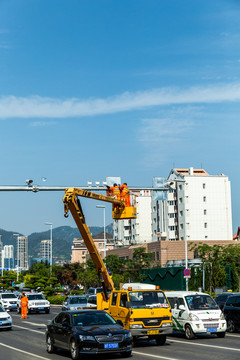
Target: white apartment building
pixel 22 252
pixel 139 230
pixel 194 205
pixel 8 257
pixel 45 249
pixel 202 205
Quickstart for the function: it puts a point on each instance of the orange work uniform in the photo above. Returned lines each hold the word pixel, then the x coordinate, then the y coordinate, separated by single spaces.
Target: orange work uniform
pixel 125 196
pixel 115 191
pixel 24 306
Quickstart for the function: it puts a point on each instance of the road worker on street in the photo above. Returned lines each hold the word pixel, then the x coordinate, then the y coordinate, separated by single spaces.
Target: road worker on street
pixel 24 306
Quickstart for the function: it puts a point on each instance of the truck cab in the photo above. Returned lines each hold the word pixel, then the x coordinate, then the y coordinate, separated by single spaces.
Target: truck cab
pixel 144 311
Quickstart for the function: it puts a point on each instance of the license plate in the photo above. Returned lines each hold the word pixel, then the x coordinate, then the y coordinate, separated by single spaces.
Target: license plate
pixel 41 308
pixel 14 305
pixel 111 346
pixel 0 323
pixel 211 329
pixel 152 332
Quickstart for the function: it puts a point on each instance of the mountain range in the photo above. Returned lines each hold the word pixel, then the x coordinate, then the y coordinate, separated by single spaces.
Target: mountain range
pixel 62 240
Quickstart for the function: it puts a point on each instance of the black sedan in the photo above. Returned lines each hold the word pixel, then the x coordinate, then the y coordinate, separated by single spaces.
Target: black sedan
pixel 88 332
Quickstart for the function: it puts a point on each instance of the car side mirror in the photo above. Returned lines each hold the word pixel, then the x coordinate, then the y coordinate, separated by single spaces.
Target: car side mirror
pixel 182 307
pixel 119 322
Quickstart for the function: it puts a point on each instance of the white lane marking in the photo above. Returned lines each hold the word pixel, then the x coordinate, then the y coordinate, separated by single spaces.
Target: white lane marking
pixel 238 336
pixel 36 324
pixel 212 346
pixel 24 352
pixel 155 356
pixel 22 327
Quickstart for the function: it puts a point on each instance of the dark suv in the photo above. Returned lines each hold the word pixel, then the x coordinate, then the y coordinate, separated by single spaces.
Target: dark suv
pixel 231 312
pixel 222 298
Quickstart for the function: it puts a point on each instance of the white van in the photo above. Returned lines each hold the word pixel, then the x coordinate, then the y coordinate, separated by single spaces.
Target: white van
pixel 196 313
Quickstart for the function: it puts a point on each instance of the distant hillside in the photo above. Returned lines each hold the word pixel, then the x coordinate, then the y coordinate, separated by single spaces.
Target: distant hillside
pixel 62 240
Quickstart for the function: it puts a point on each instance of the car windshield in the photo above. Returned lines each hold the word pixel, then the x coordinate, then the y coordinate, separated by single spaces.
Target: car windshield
pixel 151 299
pixel 200 302
pixel 9 296
pixel 92 318
pixel 35 297
pixel 78 300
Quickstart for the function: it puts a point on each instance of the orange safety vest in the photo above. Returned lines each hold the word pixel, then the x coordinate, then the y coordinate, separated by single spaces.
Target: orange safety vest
pixel 124 190
pixel 115 191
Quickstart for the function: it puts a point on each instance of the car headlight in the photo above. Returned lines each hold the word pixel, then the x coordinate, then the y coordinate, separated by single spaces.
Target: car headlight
pixel 193 317
pixel 222 316
pixel 86 338
pixel 127 336
pixel 4 301
pixel 136 326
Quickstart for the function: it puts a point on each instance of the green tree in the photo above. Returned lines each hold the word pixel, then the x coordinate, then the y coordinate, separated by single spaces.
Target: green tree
pixel 140 260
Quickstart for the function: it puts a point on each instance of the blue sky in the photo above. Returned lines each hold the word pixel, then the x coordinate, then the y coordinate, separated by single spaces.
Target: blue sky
pixel 126 88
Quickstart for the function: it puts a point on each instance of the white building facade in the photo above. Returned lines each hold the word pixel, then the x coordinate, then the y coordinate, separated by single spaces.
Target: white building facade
pixel 22 252
pixel 8 256
pixel 139 230
pixel 45 250
pixel 195 206
pixel 202 205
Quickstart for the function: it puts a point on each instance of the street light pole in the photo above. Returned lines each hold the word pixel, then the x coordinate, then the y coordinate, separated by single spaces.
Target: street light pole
pixel 104 227
pixel 17 254
pixel 50 262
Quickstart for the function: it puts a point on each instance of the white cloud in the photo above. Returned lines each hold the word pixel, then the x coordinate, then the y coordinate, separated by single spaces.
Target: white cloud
pixel 42 123
pixel 156 131
pixel 43 107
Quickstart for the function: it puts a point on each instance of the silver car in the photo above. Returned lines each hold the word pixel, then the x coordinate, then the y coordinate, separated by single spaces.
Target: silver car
pixel 76 302
pixel 5 319
pixel 8 301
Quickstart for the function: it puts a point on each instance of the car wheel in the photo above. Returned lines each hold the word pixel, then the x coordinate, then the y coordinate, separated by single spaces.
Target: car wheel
pixel 126 354
pixel 188 332
pixel 49 344
pixel 74 350
pixel 231 325
pixel 161 339
pixel 221 335
pixel 47 311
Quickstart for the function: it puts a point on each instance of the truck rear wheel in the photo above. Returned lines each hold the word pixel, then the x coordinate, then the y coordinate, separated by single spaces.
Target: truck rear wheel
pixel 161 339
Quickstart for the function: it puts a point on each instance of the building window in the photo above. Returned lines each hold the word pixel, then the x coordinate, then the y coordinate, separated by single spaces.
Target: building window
pixel 83 253
pixel 180 200
pixel 172 215
pixel 204 199
pixel 205 212
pixel 204 186
pixel 181 226
pixel 181 213
pixel 180 187
pixel 205 225
pixel 206 237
